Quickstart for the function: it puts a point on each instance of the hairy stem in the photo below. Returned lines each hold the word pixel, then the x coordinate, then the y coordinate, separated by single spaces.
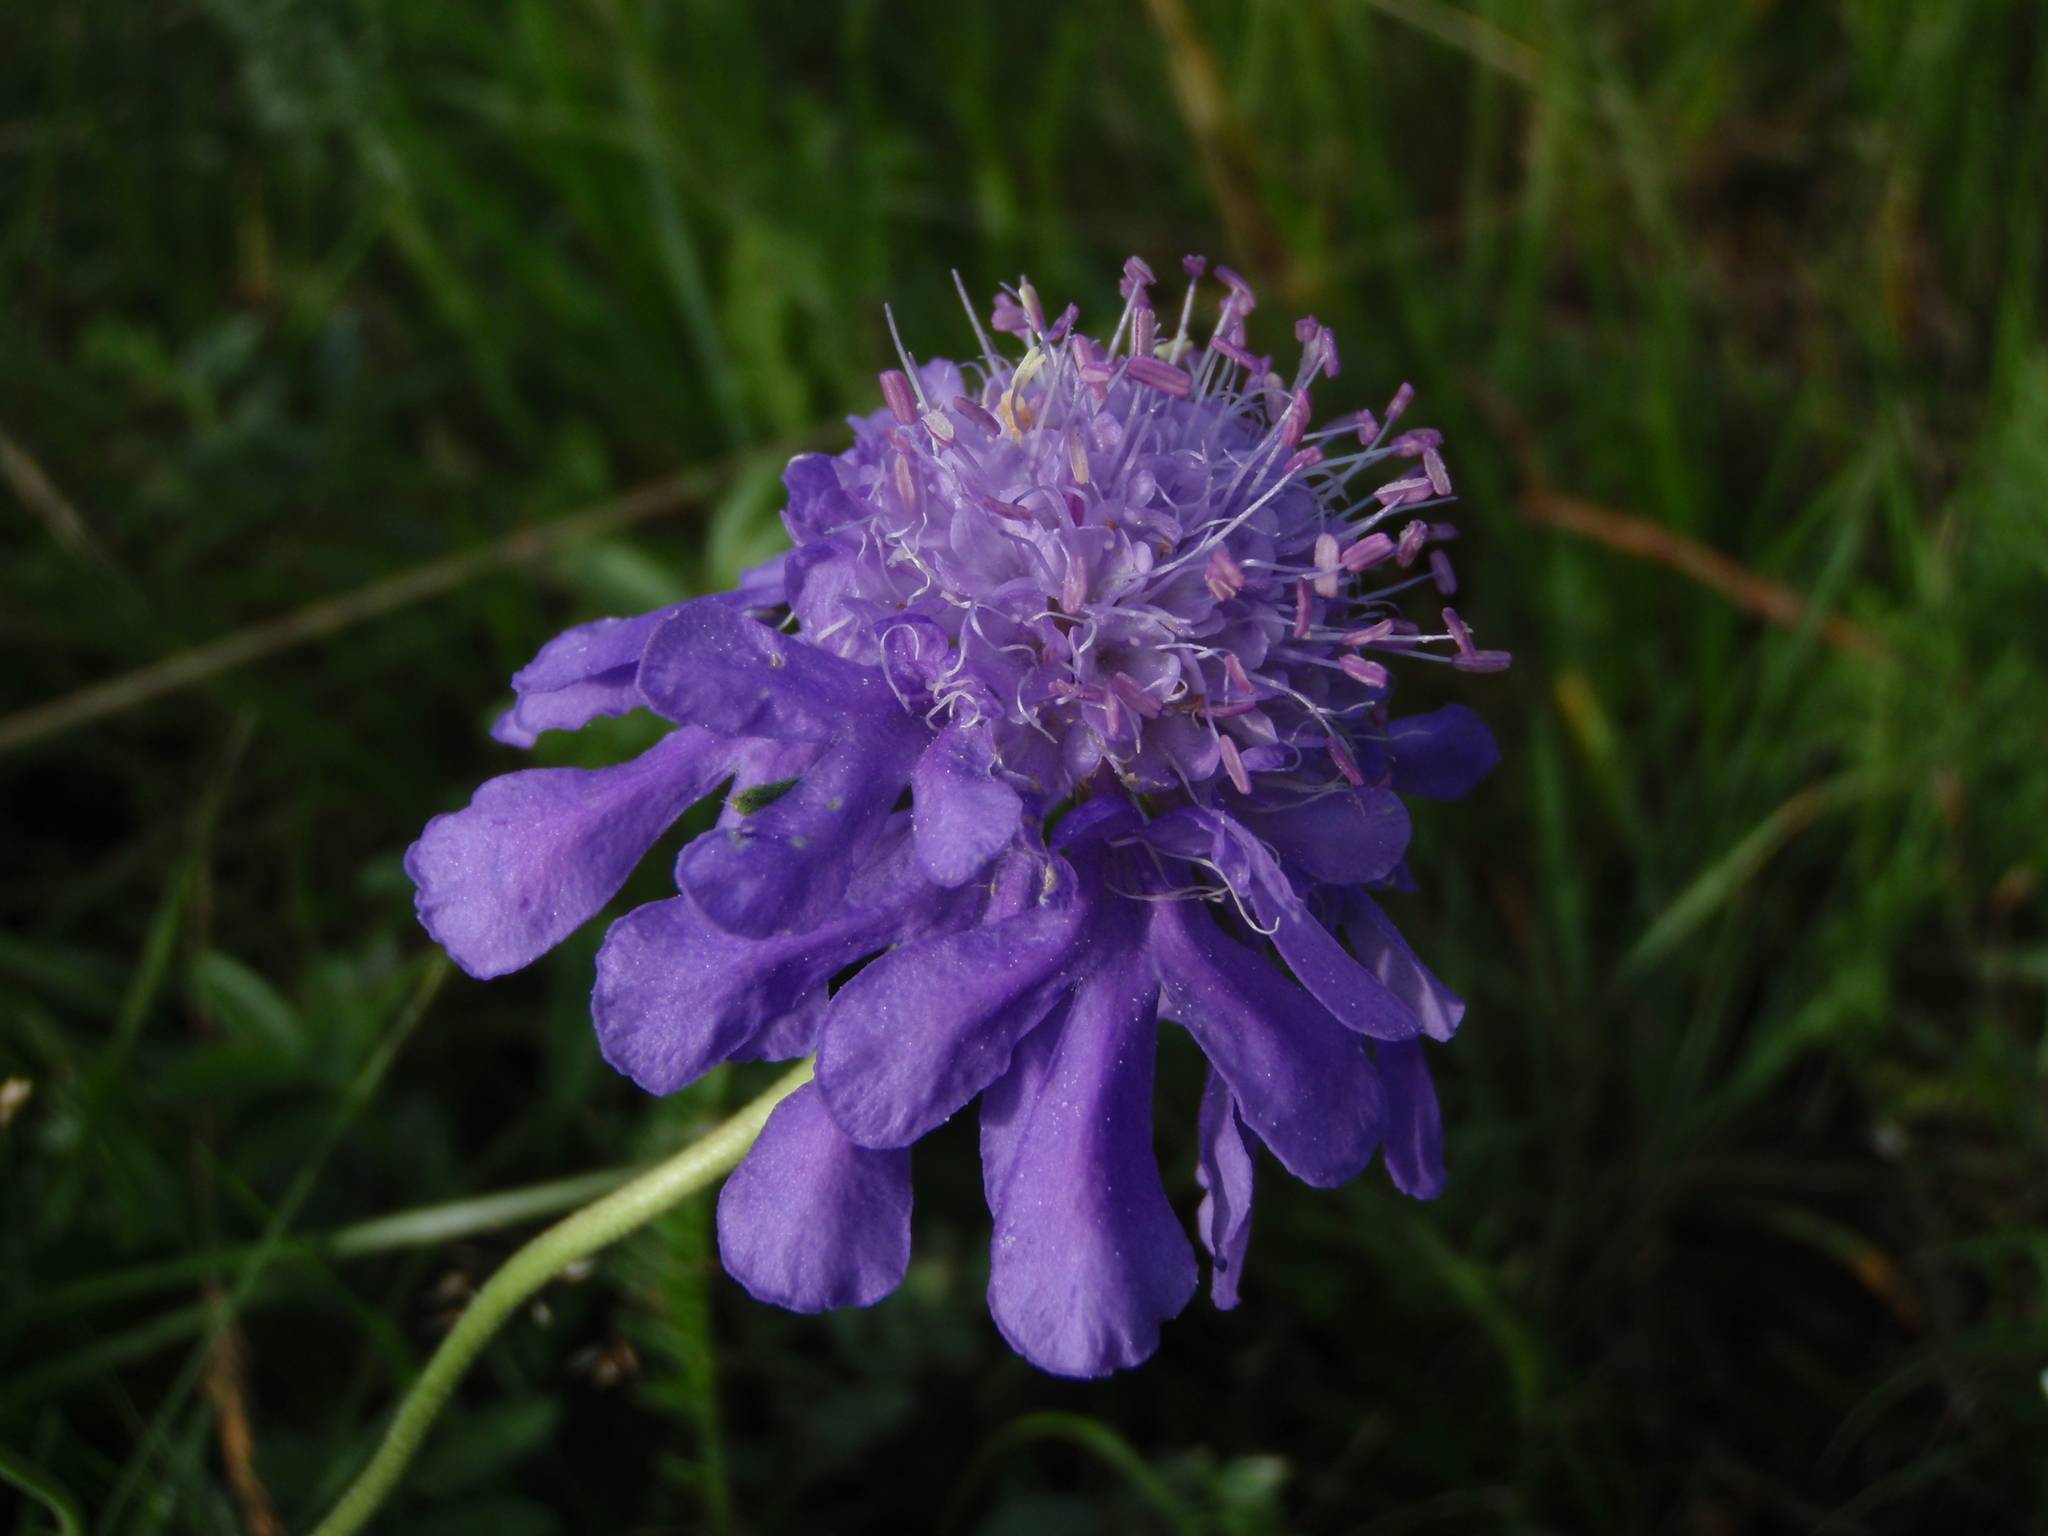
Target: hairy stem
pixel 576 1237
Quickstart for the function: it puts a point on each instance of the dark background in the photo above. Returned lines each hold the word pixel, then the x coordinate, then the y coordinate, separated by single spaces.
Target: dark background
pixel 1748 1221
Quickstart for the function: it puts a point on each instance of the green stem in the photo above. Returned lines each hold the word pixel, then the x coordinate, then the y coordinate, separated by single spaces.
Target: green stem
pixel 34 1481
pixel 576 1237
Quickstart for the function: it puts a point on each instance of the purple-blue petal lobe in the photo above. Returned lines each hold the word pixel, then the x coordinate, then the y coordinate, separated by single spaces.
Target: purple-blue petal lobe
pixel 1381 947
pixel 762 773
pixel 964 816
pixel 677 993
pixel 785 868
pixel 593 649
pixel 1088 1259
pixel 1414 1147
pixel 1301 1081
pixel 792 1035
pixel 1098 821
pixel 1355 997
pixel 1441 755
pixel 710 666
pixel 1349 837
pixel 1225 1168
pixel 817 502
pixel 581 674
pixel 918 1033
pixel 1007 1103
pixel 810 1221
pixel 535 854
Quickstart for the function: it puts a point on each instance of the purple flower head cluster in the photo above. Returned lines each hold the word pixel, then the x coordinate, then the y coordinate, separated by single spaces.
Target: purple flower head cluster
pixel 1067 713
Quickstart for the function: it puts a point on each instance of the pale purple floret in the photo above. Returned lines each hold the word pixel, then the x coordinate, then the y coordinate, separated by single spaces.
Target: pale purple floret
pixel 1066 713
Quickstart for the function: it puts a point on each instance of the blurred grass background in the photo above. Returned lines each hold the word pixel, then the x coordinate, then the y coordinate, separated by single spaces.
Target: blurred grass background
pixel 1748 1223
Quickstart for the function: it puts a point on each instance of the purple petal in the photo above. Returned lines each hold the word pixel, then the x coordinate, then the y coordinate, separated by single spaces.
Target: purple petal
pixel 582 673
pixel 1098 820
pixel 1301 1081
pixel 762 772
pixel 925 1028
pixel 829 586
pixel 1400 878
pixel 794 1034
pixel 536 853
pixel 714 667
pixel 810 1221
pixel 1225 1169
pixel 1380 946
pixel 590 650
pixel 677 993
pixel 914 650
pixel 762 586
pixel 1440 755
pixel 593 669
pixel 1347 838
pixel 1007 1103
pixel 964 816
pixel 785 868
pixel 1088 1259
pixel 817 502
pixel 1415 1128
pixel 1357 999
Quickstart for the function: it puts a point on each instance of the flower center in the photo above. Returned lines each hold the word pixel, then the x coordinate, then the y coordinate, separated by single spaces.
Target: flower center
pixel 1140 556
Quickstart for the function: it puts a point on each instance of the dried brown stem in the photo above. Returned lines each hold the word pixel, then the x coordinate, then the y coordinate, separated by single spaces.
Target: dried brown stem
pixel 328 615
pixel 1767 599
pixel 227 1389
pixel 1219 137
pixel 36 491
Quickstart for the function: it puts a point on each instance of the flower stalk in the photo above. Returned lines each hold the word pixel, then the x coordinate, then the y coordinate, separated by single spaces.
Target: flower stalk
pixel 598 1225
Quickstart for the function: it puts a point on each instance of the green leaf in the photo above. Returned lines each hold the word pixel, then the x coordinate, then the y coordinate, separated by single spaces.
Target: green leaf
pixel 246 1005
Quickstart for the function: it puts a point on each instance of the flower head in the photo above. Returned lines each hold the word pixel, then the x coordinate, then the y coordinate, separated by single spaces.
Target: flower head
pixel 1067 712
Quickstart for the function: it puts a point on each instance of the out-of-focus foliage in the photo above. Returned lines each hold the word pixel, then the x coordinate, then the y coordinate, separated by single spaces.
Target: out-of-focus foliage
pixel 1748 1226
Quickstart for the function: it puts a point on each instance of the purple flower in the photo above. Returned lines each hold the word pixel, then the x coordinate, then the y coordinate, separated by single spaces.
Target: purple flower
pixel 1068 712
